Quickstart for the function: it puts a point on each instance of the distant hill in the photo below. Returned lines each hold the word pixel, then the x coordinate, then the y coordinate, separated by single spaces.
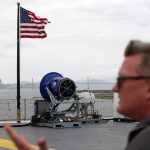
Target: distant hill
pixel 95 84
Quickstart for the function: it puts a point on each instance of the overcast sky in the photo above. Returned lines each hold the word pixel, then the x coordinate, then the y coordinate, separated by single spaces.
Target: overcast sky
pixel 86 38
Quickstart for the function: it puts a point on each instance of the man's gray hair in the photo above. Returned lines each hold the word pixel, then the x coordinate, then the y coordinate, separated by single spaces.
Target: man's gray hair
pixel 137 47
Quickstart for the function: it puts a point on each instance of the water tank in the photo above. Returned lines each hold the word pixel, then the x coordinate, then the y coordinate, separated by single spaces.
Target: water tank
pixel 86 97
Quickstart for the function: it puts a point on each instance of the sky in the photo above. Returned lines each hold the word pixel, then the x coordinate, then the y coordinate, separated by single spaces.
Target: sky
pixel 86 38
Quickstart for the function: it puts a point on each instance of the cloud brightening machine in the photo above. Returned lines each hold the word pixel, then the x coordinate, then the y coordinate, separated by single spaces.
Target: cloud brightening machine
pixel 55 91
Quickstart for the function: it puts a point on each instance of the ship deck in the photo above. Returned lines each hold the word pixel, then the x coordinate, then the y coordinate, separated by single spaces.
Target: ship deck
pixel 101 136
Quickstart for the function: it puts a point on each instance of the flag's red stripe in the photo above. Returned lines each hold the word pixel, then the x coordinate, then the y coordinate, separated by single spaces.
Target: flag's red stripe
pixel 30 36
pixel 27 31
pixel 32 27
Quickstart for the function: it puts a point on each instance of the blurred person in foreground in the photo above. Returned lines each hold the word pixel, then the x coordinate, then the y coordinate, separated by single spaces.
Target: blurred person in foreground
pixel 133 87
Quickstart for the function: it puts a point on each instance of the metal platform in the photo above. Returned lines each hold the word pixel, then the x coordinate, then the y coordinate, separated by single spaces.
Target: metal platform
pixel 59 124
pixel 91 121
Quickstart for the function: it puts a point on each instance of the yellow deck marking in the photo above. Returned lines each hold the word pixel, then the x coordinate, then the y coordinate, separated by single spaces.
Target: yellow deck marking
pixel 7 144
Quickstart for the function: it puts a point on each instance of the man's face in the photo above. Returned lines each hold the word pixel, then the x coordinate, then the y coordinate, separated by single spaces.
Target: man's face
pixel 132 93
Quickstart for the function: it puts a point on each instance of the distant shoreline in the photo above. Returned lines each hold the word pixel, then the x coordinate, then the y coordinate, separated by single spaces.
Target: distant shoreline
pixel 30 93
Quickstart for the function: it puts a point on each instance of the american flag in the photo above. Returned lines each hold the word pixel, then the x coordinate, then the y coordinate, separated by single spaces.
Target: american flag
pixel 31 26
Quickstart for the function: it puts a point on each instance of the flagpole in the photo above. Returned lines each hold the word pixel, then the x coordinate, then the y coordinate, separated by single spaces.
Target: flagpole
pixel 18 65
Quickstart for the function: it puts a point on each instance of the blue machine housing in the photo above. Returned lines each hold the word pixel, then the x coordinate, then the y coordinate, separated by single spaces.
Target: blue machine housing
pixel 62 88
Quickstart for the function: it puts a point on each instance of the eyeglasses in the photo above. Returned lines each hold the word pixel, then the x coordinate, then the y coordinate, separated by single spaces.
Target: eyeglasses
pixel 120 80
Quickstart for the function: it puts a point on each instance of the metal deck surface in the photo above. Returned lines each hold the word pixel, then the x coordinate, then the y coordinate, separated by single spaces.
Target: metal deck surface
pixel 101 136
